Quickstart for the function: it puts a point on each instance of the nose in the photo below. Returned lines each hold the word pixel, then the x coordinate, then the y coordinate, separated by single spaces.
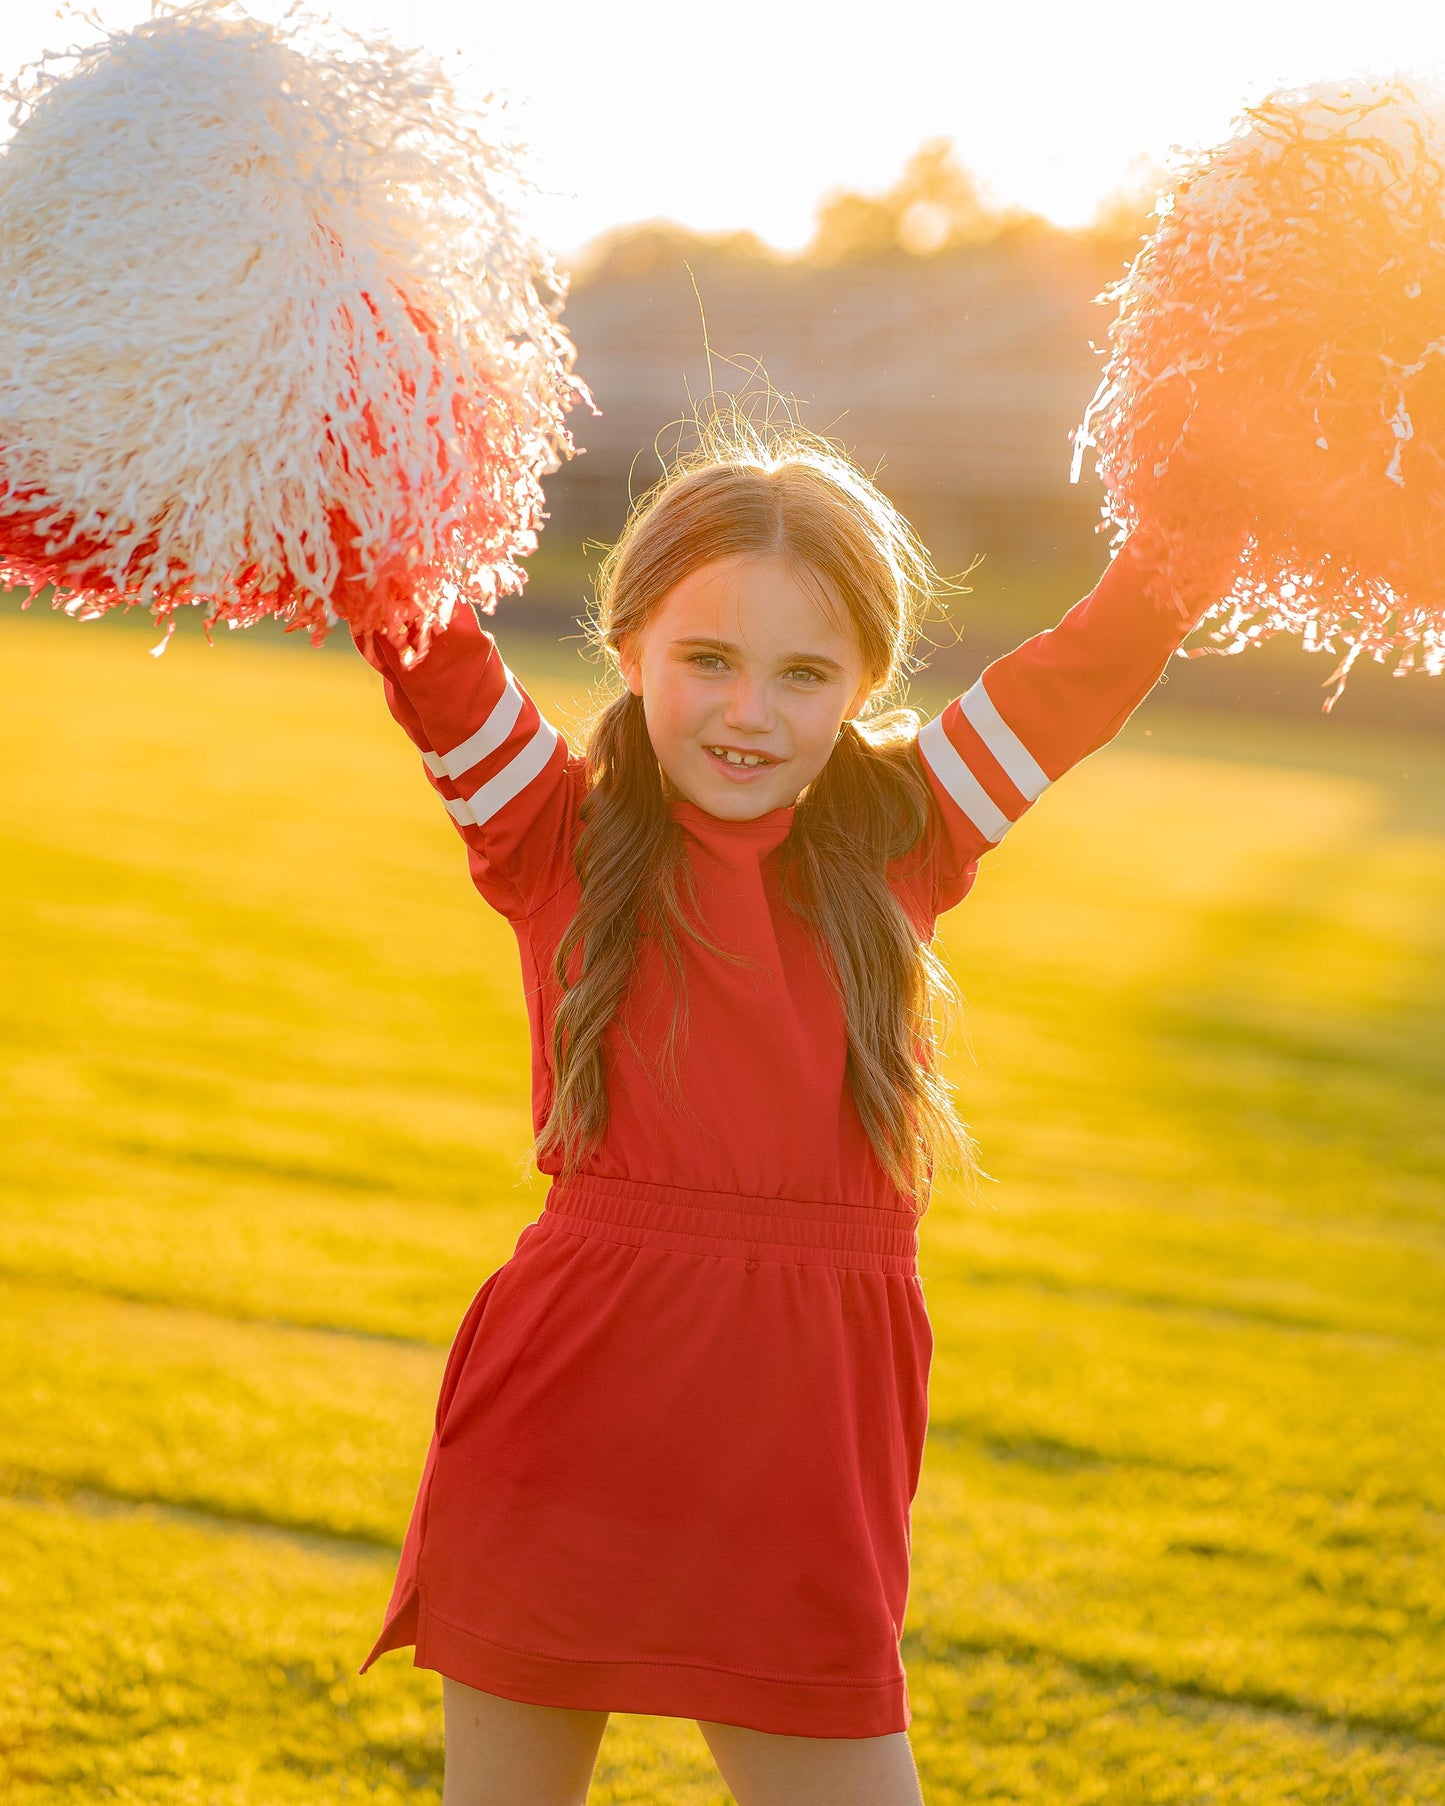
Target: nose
pixel 749 708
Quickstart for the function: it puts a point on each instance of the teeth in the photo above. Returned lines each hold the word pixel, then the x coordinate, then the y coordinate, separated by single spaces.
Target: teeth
pixel 737 758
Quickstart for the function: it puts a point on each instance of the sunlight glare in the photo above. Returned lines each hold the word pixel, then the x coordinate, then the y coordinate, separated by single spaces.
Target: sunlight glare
pixel 745 119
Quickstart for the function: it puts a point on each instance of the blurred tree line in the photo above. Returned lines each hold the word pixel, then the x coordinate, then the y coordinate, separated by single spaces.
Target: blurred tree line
pixel 945 338
pixel 934 209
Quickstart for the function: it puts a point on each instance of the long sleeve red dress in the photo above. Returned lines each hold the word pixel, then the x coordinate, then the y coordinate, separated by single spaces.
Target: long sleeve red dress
pixel 680 1430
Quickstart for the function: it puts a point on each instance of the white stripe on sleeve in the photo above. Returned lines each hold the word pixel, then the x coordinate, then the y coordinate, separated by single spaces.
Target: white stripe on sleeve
pixel 944 761
pixel 1022 767
pixel 510 781
pixel 488 737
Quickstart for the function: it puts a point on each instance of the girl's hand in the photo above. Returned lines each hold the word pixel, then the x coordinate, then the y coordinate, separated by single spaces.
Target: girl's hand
pixel 1186 569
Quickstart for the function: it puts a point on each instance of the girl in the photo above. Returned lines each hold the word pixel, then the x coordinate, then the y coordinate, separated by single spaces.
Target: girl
pixel 680 1430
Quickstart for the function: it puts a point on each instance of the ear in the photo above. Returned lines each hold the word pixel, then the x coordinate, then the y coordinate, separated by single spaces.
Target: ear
pixel 629 663
pixel 861 695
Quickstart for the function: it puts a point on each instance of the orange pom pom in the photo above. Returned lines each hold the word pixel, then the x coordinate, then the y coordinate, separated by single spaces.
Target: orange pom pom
pixel 1275 375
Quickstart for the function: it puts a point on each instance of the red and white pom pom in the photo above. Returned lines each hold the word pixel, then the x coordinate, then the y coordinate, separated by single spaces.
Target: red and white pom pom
pixel 1276 375
pixel 272 338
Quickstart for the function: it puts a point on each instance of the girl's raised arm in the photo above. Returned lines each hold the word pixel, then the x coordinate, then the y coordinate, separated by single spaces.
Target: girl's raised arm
pixel 503 772
pixel 1040 709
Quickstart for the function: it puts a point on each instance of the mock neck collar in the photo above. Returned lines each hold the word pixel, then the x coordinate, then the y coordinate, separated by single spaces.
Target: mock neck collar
pixel 764 831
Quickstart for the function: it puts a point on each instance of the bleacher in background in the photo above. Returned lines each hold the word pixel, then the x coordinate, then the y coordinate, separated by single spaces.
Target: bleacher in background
pixel 956 379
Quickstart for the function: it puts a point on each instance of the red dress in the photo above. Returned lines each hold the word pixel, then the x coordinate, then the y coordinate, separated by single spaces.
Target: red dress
pixel 680 1429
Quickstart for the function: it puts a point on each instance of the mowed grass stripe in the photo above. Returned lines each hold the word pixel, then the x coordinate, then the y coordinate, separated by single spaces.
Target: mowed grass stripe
pixel 287 1427
pixel 399 1268
pixel 158 1662
pixel 235 1682
pixel 1291 1601
pixel 154 1661
pixel 1346 1414
pixel 1022 1725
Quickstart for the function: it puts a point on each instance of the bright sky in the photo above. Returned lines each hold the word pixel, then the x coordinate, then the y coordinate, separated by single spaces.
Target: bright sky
pixel 728 113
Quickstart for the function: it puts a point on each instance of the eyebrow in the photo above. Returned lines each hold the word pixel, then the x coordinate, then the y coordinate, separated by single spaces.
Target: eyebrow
pixel 793 658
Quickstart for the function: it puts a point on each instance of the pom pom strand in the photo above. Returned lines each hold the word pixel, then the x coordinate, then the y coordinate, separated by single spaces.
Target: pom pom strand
pixel 1275 375
pixel 273 340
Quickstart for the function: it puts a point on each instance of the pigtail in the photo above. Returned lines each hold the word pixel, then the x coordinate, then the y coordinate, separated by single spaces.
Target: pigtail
pixel 634 879
pixel 868 808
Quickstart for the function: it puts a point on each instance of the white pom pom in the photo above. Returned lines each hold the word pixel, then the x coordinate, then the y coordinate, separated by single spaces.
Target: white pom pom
pixel 271 335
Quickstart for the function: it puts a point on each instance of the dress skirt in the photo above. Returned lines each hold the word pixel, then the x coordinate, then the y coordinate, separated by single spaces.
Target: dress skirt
pixel 677 1441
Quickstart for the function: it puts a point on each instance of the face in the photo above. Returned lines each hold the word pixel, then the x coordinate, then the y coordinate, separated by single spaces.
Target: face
pixel 745 679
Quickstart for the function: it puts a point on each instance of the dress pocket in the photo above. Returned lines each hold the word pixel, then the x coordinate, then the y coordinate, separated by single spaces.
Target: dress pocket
pixel 461 1347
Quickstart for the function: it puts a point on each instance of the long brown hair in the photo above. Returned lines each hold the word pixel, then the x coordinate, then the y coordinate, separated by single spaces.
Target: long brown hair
pixel 790 495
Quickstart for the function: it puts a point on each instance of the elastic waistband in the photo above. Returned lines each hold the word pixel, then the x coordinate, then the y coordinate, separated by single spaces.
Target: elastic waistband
pixel 785 1231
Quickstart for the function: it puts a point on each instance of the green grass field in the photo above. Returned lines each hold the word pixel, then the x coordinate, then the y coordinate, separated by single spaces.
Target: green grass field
pixel 1182 1522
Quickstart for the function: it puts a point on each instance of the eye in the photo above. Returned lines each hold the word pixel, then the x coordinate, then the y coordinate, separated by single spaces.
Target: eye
pixel 806 675
pixel 708 661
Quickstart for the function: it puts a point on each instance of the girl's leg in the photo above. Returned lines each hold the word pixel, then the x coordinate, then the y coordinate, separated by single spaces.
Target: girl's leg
pixel 502 1753
pixel 764 1770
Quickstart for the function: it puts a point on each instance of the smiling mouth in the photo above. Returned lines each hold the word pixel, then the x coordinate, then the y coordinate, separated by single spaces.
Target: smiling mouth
pixel 736 760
